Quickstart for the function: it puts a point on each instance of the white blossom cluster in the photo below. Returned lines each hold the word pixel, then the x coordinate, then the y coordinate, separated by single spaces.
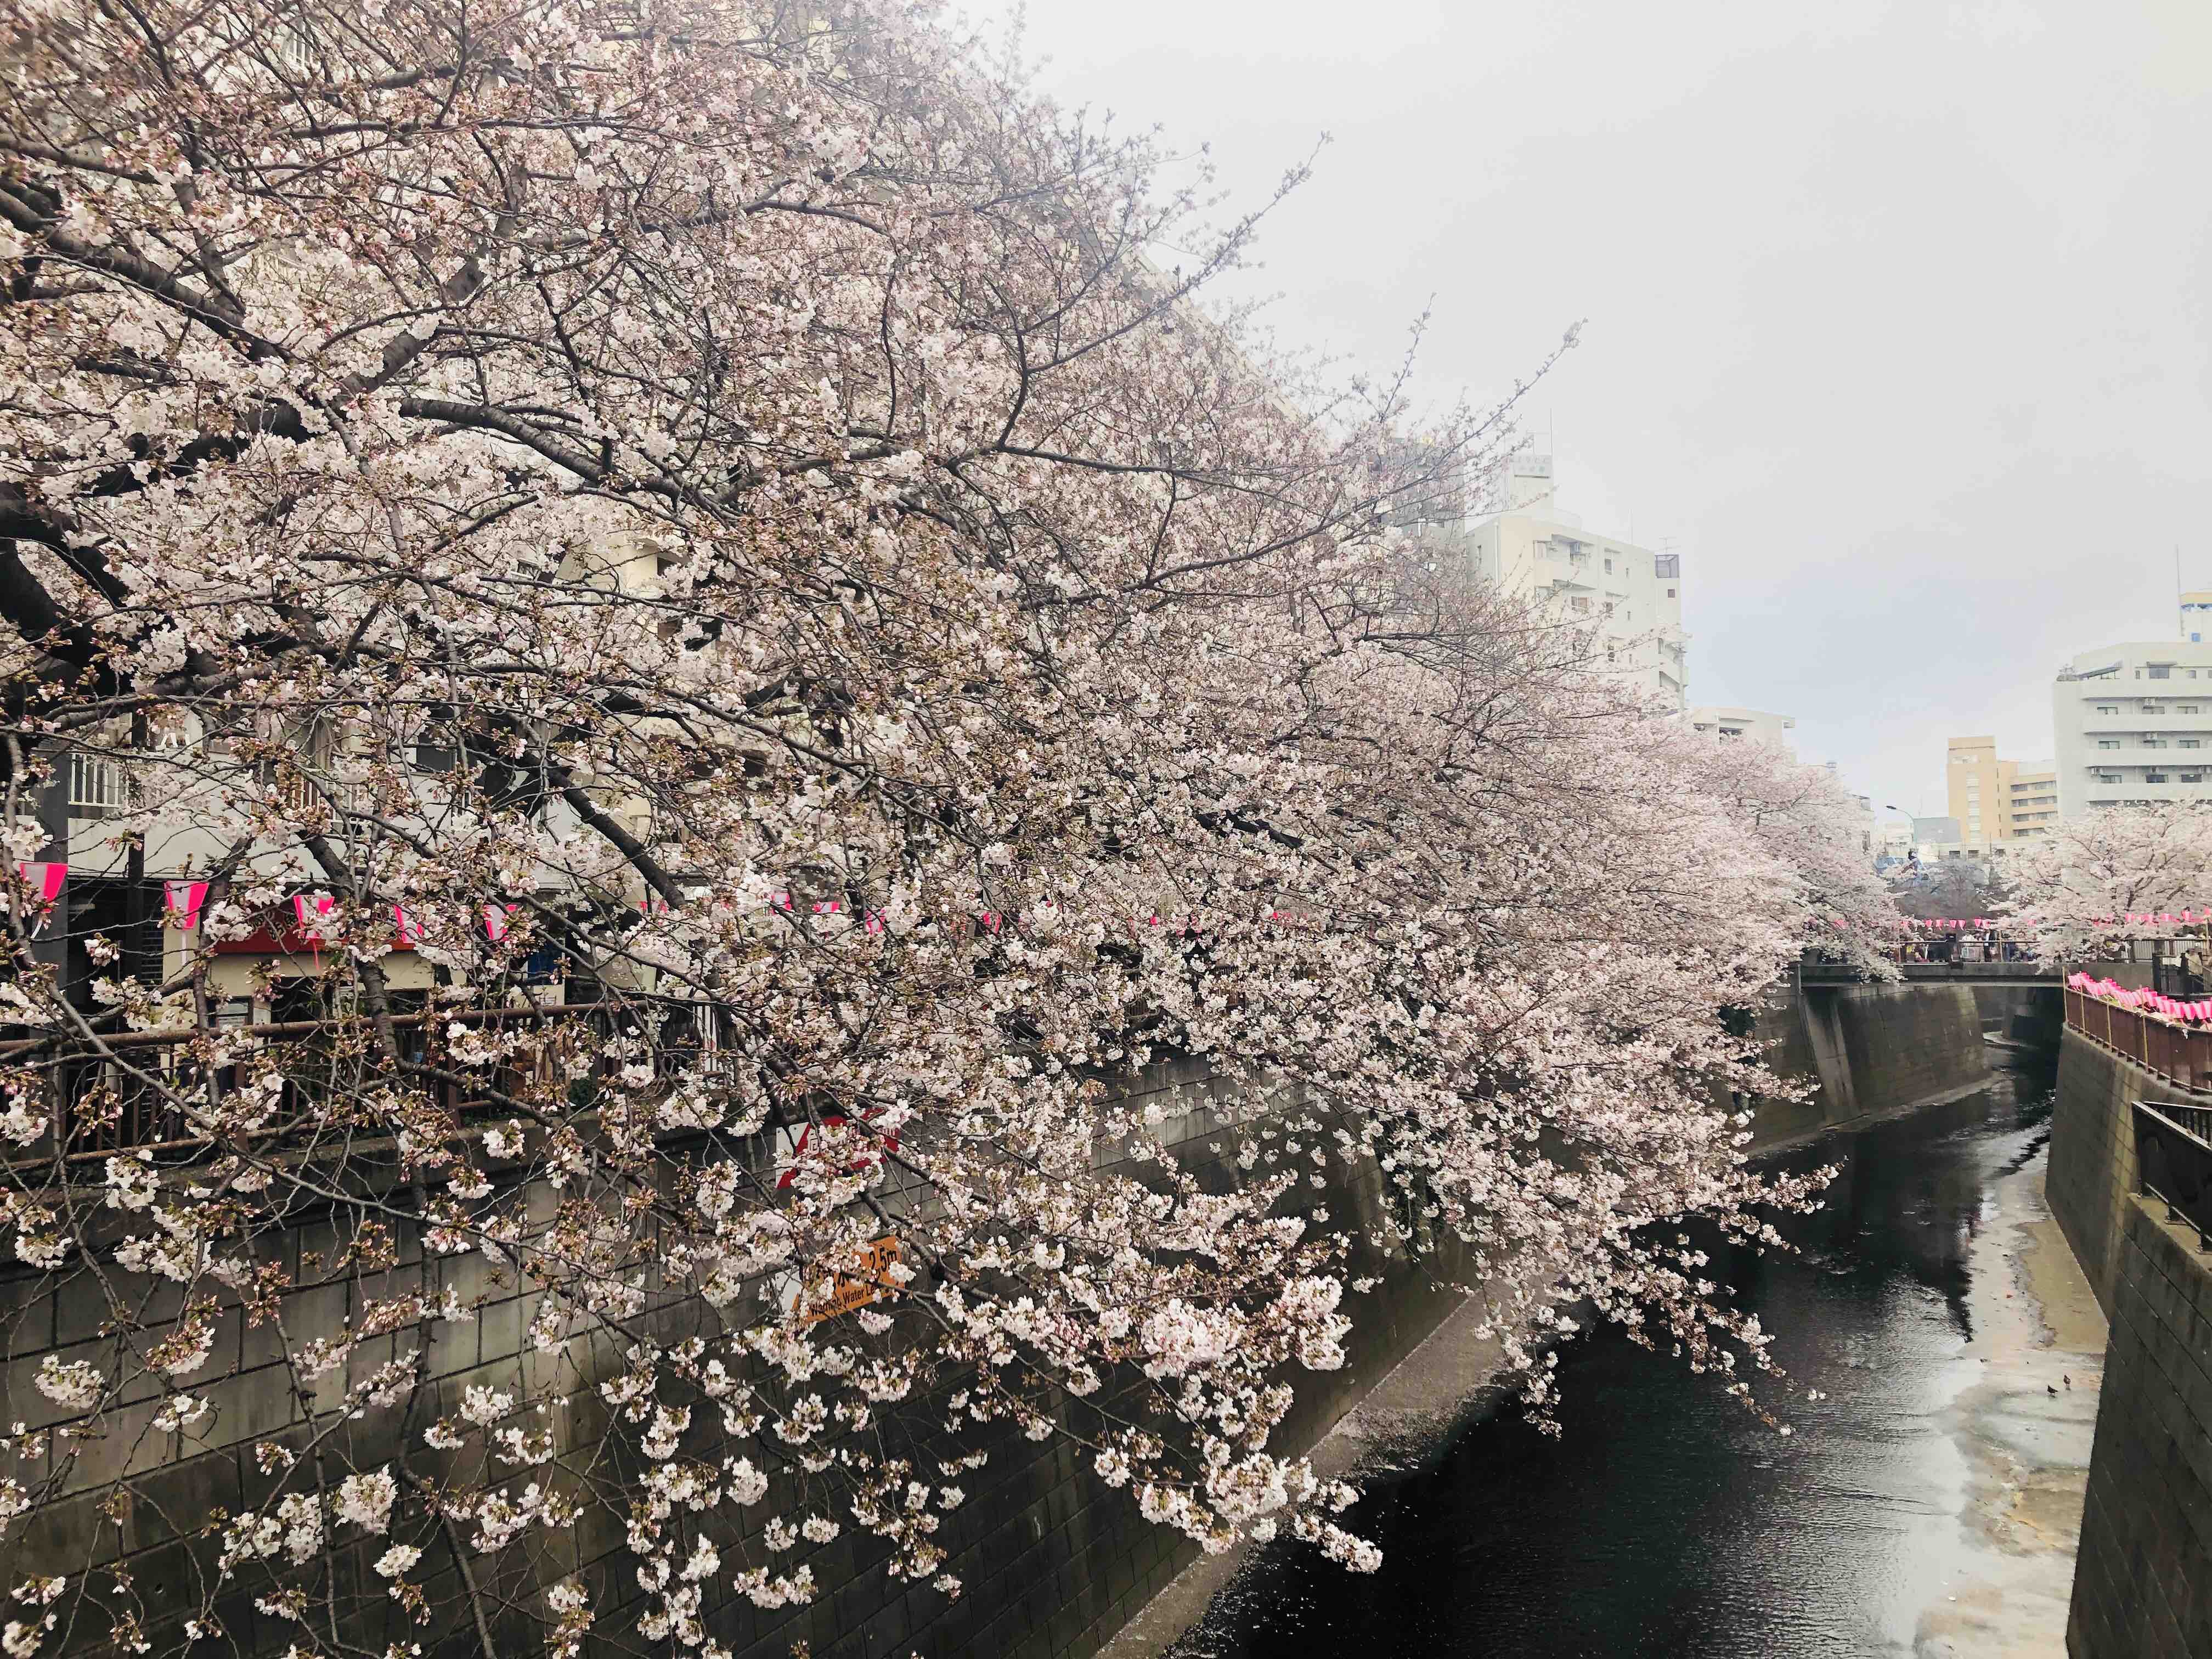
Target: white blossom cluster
pixel 728 528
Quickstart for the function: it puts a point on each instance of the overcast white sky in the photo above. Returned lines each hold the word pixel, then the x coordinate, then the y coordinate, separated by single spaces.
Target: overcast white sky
pixel 1897 312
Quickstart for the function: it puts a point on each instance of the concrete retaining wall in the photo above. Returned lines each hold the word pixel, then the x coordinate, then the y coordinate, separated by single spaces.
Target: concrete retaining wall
pixel 2142 1581
pixel 2092 1155
pixel 1052 1560
pixel 1869 1048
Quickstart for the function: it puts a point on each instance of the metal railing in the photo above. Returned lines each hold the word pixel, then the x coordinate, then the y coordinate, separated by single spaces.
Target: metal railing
pixel 2181 1054
pixel 2174 1163
pixel 2024 969
pixel 132 1090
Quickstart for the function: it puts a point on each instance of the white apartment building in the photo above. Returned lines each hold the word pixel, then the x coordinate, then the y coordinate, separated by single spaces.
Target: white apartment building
pixel 1629 596
pixel 1753 724
pixel 2133 725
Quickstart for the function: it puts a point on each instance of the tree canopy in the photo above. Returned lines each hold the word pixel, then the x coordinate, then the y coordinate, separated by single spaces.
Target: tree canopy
pixel 750 513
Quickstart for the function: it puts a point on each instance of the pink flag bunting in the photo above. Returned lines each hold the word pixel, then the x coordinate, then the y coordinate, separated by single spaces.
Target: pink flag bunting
pixel 185 899
pixel 45 881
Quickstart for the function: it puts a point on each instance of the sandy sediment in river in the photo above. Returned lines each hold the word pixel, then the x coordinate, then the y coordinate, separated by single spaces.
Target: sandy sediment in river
pixel 2037 1328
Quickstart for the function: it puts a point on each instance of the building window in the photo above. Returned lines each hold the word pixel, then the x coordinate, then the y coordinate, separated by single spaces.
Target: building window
pixel 2185 708
pixel 2153 777
pixel 2108 777
pixel 2192 777
pixel 1608 566
pixel 95 785
pixel 2108 709
pixel 2153 743
pixel 2159 671
pixel 2108 743
pixel 2190 743
pixel 2150 705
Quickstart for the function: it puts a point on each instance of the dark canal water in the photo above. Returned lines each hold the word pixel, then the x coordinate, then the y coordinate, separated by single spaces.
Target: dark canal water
pixel 1666 1521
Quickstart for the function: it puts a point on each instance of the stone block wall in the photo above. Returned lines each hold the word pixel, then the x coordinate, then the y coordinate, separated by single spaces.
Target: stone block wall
pixel 135 1500
pixel 1052 1560
pixel 2092 1155
pixel 2142 1579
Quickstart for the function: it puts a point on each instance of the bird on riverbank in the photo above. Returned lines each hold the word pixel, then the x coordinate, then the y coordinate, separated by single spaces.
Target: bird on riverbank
pixel 2068 1381
pixel 2052 1392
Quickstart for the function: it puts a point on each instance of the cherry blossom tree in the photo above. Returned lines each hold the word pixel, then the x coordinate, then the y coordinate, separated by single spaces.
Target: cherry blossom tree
pixel 2097 871
pixel 707 595
pixel 1813 826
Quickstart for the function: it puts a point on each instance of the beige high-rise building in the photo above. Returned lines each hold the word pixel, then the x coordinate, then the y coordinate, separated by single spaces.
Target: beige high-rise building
pixel 1997 800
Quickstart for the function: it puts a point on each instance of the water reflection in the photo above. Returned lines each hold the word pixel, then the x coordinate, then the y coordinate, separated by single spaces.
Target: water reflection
pixel 1666 1521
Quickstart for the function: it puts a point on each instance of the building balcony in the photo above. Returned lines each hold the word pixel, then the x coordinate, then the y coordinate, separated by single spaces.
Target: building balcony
pixel 2182 717
pixel 2136 754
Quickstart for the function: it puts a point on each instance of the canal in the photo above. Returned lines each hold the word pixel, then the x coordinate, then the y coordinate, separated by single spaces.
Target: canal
pixel 1925 1505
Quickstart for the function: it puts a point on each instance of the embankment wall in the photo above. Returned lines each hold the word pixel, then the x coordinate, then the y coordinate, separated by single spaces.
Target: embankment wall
pixel 1868 1048
pixel 1052 1561
pixel 2142 1580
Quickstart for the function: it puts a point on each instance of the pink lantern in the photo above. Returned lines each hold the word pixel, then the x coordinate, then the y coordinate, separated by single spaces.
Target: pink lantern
pixel 311 910
pixel 45 881
pixel 495 917
pixel 184 900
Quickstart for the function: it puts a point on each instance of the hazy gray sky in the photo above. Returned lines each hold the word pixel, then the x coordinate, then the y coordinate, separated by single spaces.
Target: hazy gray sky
pixel 1897 317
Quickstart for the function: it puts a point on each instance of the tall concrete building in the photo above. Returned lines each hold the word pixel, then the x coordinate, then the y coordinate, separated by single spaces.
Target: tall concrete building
pixel 2133 722
pixel 1996 800
pixel 1629 596
pixel 1752 725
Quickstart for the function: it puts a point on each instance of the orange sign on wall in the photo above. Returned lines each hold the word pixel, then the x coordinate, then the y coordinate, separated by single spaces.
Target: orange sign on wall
pixel 854 1290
